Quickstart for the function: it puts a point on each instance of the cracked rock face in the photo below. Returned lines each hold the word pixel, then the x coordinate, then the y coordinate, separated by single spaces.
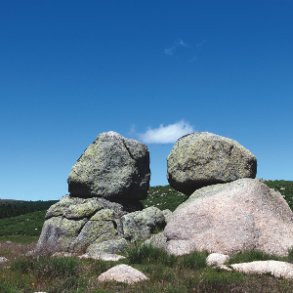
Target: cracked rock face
pixel 201 159
pixel 73 224
pixel 112 167
pixel 94 226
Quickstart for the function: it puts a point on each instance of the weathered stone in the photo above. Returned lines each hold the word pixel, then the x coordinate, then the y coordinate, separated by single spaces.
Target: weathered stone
pixel 74 208
pixel 158 240
pixel 112 246
pixel 80 223
pixel 228 218
pixel 217 259
pixel 3 259
pixel 202 159
pixel 277 269
pixel 58 234
pixel 104 256
pixel 167 214
pixel 112 167
pixel 141 224
pixel 94 231
pixel 122 273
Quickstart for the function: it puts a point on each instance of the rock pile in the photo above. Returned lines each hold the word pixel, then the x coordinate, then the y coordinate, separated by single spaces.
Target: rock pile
pixel 237 215
pixel 228 211
pixel 107 181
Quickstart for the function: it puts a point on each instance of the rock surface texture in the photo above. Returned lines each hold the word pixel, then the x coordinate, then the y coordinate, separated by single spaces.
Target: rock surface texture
pixel 229 218
pixel 73 224
pixel 277 269
pixel 201 159
pixel 217 259
pixel 95 226
pixel 141 224
pixel 122 273
pixel 112 167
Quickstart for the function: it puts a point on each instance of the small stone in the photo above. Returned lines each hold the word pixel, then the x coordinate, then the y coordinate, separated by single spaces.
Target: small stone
pixel 3 259
pixel 217 259
pixel 122 273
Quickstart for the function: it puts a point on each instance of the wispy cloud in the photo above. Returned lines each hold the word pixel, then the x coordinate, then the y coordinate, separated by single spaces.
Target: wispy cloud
pixel 194 51
pixel 170 51
pixel 166 134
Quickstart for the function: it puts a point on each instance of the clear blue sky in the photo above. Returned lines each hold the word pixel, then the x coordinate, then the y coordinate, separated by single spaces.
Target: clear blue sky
pixel 72 69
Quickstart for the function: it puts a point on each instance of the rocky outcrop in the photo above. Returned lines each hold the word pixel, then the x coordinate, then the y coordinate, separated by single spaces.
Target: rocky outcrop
pixel 228 218
pixel 107 182
pixel 112 167
pixel 95 226
pixel 202 159
pixel 74 223
pixel 123 274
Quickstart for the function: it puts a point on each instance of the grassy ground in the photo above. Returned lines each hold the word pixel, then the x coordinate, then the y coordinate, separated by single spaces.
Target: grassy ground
pixel 167 273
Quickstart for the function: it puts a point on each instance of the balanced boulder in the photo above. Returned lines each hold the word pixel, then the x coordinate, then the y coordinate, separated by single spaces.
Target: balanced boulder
pixel 201 159
pixel 112 167
pixel 243 215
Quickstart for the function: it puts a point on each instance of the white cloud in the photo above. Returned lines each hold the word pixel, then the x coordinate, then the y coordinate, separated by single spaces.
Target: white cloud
pixel 166 134
pixel 170 51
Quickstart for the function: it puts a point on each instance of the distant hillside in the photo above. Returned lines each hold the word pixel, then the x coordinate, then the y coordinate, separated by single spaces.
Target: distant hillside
pixel 12 208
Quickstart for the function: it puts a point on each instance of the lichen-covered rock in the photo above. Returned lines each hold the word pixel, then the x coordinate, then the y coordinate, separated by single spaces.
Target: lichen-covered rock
pixel 112 167
pixel 201 159
pixel 101 226
pixel 141 224
pixel 74 223
pixel 58 233
pixel 243 215
pixel 167 214
pixel 158 240
pixel 112 246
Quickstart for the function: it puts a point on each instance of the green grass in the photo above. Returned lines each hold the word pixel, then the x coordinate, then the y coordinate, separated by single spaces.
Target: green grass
pixel 164 197
pixel 27 224
pixel 167 274
pixel 22 239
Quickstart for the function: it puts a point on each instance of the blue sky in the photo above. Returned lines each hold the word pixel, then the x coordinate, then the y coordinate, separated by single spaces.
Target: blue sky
pixel 72 69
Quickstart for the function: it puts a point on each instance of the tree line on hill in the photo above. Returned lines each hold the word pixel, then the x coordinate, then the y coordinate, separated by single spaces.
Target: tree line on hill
pixel 12 208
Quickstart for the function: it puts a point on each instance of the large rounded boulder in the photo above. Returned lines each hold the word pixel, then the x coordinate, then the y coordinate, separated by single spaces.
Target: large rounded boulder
pixel 201 159
pixel 112 167
pixel 228 218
